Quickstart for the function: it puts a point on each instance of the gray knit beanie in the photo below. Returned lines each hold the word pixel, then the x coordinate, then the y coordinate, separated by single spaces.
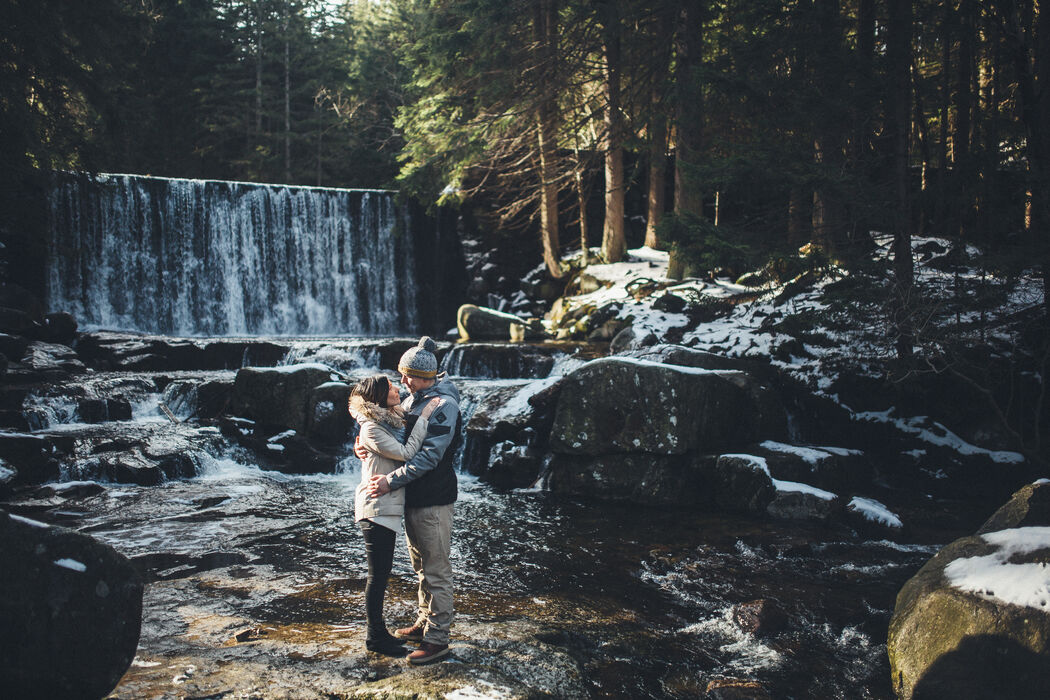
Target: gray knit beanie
pixel 420 361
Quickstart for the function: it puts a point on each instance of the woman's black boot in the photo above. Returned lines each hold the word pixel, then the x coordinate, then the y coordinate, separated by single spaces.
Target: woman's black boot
pixel 386 644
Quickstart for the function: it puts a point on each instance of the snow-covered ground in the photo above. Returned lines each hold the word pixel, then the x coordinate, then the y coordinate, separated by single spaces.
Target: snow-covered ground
pixel 853 345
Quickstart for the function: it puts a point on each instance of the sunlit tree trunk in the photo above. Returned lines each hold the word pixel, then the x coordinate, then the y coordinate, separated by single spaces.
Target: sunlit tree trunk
pixel 614 242
pixel 546 16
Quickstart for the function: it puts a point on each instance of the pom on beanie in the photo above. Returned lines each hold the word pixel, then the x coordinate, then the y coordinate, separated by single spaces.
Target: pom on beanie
pixel 421 360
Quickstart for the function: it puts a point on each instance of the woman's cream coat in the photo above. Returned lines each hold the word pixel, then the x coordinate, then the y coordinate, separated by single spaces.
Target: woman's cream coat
pixel 379 430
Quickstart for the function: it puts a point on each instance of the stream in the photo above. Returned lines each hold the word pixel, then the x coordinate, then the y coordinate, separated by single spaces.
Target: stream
pixel 256 588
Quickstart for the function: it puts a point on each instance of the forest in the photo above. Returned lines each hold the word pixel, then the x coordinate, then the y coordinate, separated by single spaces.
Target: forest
pixel 735 132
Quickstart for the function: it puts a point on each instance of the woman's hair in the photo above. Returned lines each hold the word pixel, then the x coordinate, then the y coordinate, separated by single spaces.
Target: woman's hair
pixel 373 389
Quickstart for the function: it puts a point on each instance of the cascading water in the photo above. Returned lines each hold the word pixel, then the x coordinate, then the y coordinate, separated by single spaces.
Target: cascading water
pixel 205 258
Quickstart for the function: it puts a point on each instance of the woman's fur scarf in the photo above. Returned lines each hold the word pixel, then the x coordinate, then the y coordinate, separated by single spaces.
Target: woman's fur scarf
pixel 361 410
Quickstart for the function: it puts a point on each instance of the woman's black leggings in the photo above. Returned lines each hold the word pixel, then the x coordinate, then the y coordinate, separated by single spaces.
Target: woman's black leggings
pixel 379 551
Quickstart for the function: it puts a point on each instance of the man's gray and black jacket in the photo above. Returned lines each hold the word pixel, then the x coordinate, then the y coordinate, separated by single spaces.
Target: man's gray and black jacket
pixel 429 478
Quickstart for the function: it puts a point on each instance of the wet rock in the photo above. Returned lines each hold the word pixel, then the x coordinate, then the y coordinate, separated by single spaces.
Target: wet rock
pixel 50 361
pixel 327 420
pixel 760 617
pixel 7 474
pixel 201 400
pixel 735 689
pixel 614 405
pixel 518 417
pixel 803 504
pixel 278 396
pixel 975 620
pixel 644 479
pixel 1029 507
pixel 99 410
pixel 739 485
pixel 499 361
pixel 287 452
pixel 125 351
pixel 34 457
pixel 138 467
pixel 511 465
pixel 59 327
pixel 480 323
pixel 72 612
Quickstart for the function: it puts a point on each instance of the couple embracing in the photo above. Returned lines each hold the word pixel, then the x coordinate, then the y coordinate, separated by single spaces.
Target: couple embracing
pixel 406 450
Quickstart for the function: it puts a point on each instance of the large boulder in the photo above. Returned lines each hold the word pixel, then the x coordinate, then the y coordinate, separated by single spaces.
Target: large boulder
pixel 327 419
pixel 278 396
pixel 71 608
pixel 1029 507
pixel 975 620
pixel 50 360
pixel 644 479
pixel 33 458
pixel 59 327
pixel 480 323
pixel 198 399
pixel 122 351
pixel 506 433
pixel 615 405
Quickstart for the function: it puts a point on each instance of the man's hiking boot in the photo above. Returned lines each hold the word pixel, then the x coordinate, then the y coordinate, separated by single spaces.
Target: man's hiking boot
pixel 410 634
pixel 428 653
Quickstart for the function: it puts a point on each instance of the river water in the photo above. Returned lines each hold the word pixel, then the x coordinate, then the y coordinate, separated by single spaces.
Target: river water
pixel 244 564
pixel 641 599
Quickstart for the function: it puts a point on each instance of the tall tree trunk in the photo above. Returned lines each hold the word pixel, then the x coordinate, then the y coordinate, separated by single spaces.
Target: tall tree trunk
pixel 943 217
pixel 898 55
pixel 658 130
pixel 614 243
pixel 581 200
pixel 287 100
pixel 544 28
pixel 963 100
pixel 258 69
pixel 688 192
pixel 798 215
pixel 1028 40
pixel 829 208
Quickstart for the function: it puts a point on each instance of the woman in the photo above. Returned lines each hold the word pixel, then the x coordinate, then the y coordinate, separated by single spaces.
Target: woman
pixel 375 405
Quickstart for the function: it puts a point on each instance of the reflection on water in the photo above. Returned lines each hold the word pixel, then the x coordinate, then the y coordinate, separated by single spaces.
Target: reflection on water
pixel 642 599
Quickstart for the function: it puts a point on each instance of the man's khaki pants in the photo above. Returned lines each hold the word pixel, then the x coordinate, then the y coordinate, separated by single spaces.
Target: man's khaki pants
pixel 429 534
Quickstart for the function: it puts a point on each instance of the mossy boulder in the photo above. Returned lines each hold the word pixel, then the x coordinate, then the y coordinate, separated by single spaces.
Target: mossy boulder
pixel 1029 507
pixel 480 323
pixel 974 622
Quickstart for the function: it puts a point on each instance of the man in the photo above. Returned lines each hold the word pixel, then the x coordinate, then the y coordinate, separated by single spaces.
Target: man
pixel 429 480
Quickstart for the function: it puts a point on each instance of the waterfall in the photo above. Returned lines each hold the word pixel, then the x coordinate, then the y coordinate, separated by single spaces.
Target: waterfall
pixel 216 258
